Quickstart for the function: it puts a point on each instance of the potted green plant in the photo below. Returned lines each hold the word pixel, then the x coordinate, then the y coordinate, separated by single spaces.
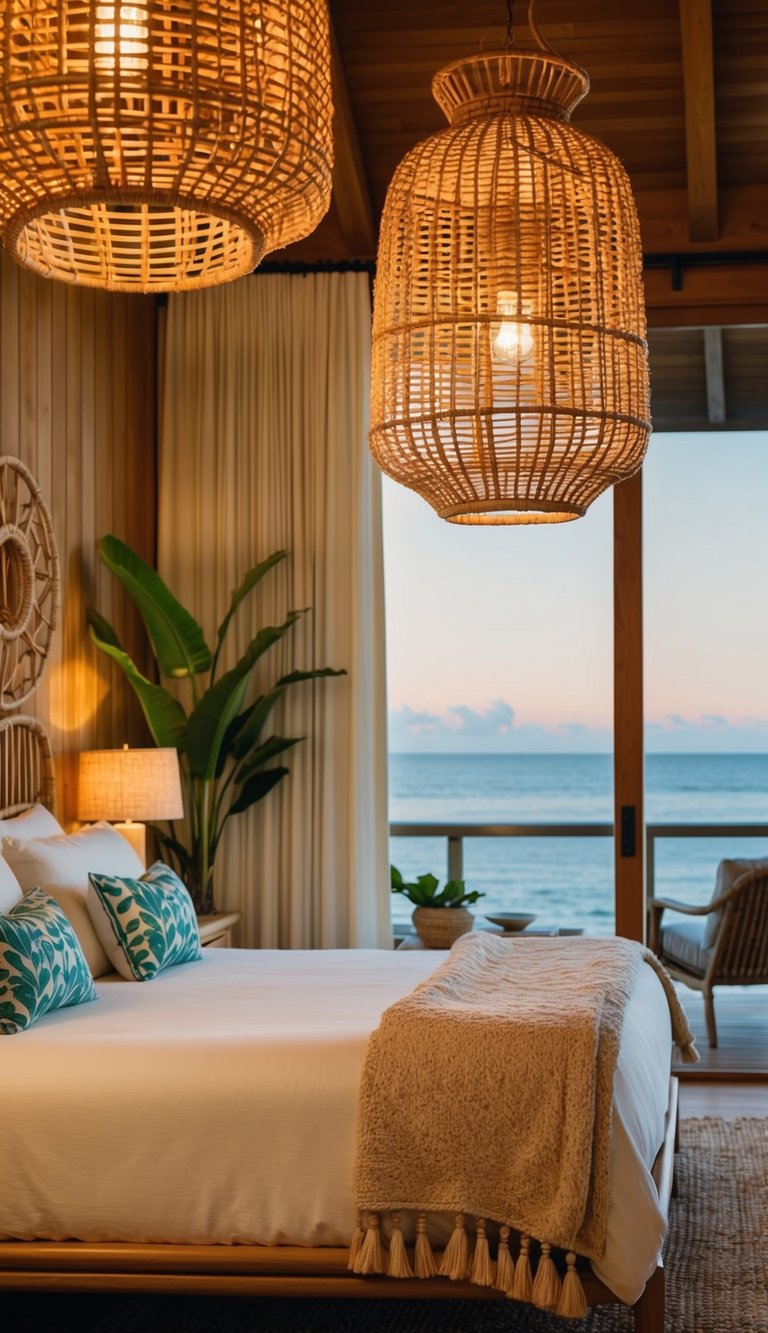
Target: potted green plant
pixel 226 761
pixel 439 915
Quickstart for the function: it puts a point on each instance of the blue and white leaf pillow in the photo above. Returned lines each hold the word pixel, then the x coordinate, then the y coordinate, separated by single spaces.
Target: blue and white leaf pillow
pixel 144 925
pixel 42 966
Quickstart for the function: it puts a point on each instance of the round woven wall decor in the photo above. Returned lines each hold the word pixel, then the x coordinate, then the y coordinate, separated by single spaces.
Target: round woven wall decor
pixel 29 583
pixel 161 145
pixel 509 365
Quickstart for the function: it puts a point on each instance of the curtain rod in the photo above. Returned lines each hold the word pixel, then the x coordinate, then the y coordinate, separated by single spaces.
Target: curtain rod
pixel 319 266
pixel 301 269
pixel 676 263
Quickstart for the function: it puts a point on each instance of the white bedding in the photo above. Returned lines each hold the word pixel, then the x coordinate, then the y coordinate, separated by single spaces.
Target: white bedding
pixel 218 1104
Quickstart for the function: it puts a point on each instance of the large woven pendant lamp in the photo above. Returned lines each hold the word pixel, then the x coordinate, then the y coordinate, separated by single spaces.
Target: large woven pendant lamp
pixel 161 145
pixel 509 374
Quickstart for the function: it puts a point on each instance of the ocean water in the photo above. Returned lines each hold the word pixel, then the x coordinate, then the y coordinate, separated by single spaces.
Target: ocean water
pixel 569 881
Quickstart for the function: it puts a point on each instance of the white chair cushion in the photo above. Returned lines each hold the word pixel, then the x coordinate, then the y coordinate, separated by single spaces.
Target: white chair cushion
pixel 727 873
pixel 62 865
pixel 684 943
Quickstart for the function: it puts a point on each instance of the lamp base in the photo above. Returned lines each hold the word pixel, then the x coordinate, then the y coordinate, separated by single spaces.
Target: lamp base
pixel 136 835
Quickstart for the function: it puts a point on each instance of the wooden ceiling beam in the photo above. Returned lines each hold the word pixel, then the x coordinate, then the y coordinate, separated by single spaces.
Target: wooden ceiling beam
pixel 664 224
pixel 351 196
pixel 700 137
pixel 733 294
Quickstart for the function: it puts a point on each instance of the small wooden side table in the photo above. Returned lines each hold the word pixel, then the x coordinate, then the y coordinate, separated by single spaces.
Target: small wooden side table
pixel 217 930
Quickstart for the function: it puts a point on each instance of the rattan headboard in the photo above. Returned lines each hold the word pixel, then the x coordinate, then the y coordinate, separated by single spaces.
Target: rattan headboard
pixel 26 766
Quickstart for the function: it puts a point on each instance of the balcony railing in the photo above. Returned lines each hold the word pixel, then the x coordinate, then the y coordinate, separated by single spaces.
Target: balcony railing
pixel 456 833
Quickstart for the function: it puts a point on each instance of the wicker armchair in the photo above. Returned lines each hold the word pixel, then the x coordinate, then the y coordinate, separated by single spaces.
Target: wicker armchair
pixel 726 941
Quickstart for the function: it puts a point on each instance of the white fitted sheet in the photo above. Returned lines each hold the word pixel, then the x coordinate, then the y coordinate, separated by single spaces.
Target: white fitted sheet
pixel 218 1104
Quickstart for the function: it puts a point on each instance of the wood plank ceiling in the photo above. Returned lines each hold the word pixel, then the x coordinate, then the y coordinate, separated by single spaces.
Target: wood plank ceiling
pixel 679 92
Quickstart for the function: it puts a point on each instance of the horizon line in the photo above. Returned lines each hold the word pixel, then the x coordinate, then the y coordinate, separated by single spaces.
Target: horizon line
pixel 574 754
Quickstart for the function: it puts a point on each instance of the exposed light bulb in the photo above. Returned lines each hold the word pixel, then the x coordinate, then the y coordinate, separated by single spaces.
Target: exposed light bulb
pixel 122 32
pixel 514 341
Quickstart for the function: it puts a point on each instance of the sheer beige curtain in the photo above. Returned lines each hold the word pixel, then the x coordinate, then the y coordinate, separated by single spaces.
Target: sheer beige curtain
pixel 263 445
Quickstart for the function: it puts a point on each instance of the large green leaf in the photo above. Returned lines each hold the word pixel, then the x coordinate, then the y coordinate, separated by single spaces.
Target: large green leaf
pixel 254 576
pixel 256 788
pixel 177 639
pixel 249 733
pixel 165 716
pixel 212 717
pixel 230 735
pixel 210 720
pixel 262 755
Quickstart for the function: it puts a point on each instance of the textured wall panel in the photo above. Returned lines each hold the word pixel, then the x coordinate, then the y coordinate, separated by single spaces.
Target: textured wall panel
pixel 77 405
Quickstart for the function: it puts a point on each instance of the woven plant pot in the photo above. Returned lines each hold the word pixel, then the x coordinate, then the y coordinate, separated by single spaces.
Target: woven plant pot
pixel 438 927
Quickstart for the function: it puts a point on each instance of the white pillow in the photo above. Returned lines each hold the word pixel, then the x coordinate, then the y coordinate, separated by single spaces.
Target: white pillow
pixel 36 822
pixel 10 889
pixel 61 866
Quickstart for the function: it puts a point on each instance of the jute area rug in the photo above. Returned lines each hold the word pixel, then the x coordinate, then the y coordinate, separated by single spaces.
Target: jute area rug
pixel 717 1272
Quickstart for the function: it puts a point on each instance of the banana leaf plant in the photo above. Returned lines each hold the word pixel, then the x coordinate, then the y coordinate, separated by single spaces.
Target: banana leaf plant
pixel 227 763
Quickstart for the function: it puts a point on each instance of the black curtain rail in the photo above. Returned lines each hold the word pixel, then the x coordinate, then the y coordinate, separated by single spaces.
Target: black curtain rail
pixel 320 266
pixel 677 263
pixel 302 270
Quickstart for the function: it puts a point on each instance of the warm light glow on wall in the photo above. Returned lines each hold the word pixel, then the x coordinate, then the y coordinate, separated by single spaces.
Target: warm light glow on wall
pixel 76 691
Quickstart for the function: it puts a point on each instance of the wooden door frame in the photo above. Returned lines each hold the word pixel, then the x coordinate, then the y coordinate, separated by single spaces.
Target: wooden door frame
pixel 628 709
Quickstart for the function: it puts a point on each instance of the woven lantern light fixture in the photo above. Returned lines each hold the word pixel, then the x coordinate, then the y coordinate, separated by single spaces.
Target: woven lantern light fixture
pixel 161 145
pixel 509 372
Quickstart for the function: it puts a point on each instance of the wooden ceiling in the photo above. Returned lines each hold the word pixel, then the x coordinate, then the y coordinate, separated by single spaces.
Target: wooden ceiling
pixel 679 92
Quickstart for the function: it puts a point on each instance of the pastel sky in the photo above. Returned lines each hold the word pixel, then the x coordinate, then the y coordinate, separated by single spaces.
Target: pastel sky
pixel 501 638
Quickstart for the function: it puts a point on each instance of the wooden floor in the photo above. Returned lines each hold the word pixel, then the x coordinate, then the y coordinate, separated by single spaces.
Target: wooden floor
pixel 728 1100
pixel 742 1035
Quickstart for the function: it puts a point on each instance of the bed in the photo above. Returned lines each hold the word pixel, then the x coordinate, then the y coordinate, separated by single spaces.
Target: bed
pixel 256 1055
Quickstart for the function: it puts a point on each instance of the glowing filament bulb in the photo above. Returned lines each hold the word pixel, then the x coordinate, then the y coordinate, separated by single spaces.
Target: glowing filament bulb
pixel 121 37
pixel 514 341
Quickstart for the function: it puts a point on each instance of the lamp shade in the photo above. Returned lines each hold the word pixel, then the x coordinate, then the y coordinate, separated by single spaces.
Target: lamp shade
pixel 161 145
pixel 509 366
pixel 129 784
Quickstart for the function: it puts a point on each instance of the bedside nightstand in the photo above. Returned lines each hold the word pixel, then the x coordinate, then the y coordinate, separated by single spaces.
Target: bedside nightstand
pixel 216 931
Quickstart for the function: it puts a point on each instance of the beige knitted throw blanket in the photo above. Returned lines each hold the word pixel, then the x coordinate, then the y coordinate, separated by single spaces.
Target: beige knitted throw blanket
pixel 487 1093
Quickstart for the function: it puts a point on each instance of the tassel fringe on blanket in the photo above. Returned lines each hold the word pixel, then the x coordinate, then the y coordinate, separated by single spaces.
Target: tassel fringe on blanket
pixel 462 1262
pixel 548 1016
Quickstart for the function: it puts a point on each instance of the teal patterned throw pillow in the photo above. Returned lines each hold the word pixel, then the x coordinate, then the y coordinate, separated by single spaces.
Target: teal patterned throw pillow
pixel 42 966
pixel 145 925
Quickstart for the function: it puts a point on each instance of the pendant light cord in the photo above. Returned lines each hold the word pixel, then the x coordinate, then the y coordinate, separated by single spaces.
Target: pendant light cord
pixel 510 39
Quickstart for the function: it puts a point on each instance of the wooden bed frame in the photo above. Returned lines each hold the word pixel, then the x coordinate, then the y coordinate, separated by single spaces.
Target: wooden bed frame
pixel 26 776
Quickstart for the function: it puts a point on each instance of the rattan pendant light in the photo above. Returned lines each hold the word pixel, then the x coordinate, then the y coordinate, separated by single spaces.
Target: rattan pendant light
pixel 509 375
pixel 161 145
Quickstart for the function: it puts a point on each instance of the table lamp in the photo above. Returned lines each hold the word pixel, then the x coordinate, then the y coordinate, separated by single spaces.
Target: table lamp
pixel 128 786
